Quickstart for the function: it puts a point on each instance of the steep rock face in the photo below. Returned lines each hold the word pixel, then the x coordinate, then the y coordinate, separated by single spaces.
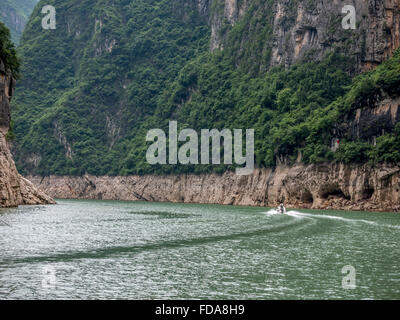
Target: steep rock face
pixel 14 189
pixel 7 86
pixel 311 28
pixel 324 186
pixel 229 10
pixel 13 20
pixel 368 123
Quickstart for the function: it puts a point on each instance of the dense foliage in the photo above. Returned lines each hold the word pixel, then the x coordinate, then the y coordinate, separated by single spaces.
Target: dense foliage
pixel 93 87
pixel 91 84
pixel 8 53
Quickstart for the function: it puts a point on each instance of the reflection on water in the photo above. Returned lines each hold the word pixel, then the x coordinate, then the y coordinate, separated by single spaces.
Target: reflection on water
pixel 113 250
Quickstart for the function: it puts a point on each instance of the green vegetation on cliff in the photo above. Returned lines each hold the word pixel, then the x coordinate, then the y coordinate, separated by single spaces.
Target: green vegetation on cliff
pixel 93 87
pixel 89 86
pixel 8 54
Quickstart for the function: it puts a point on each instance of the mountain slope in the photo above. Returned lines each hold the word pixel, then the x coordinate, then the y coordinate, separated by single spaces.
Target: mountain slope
pixel 114 69
pixel 15 14
pixel 97 77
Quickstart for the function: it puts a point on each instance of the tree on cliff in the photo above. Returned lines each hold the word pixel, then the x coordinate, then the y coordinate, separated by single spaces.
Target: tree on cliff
pixel 8 54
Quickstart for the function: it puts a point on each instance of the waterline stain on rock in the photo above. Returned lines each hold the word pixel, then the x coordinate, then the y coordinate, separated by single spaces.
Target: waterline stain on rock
pixel 319 186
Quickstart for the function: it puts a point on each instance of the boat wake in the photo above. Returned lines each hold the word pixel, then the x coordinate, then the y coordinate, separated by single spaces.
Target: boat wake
pixel 272 212
pixel 292 213
pixel 302 215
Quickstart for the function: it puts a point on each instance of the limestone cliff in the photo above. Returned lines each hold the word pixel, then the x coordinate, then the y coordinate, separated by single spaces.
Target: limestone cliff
pixel 305 28
pixel 14 189
pixel 323 186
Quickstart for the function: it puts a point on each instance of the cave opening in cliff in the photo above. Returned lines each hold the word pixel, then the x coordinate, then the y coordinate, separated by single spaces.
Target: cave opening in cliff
pixel 368 193
pixel 307 197
pixel 334 192
pixel 10 88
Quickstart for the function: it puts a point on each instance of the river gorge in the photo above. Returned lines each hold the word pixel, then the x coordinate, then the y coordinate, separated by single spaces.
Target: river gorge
pixel 85 213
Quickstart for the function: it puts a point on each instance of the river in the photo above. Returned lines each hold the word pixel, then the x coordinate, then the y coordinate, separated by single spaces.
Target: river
pixel 138 250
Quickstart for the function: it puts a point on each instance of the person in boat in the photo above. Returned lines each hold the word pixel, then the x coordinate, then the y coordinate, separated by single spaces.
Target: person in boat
pixel 281 208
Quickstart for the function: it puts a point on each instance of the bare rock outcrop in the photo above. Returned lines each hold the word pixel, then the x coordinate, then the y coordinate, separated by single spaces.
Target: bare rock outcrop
pixel 14 189
pixel 322 186
pixel 310 29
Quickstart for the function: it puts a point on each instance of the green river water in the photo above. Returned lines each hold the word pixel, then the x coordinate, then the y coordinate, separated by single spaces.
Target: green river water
pixel 135 250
